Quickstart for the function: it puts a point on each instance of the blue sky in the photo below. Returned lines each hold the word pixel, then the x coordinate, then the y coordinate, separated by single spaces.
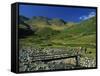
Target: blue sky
pixel 65 13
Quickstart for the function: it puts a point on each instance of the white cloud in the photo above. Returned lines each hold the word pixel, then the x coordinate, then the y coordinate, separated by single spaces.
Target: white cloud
pixel 85 17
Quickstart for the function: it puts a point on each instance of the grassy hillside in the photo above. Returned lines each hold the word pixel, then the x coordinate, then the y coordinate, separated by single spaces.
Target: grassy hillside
pixel 59 30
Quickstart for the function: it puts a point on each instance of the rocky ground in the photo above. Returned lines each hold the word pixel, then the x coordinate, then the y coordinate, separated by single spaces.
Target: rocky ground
pixel 27 57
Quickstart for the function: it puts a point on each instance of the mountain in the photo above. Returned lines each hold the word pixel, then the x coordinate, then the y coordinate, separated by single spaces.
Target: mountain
pixel 41 22
pixel 22 19
pixel 57 21
pixel 80 33
pixel 24 28
pixel 22 23
pixel 43 31
pixel 38 20
pixel 84 27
